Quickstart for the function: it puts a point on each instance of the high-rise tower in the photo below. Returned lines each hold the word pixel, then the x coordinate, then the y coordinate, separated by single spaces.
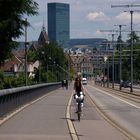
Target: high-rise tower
pixel 59 23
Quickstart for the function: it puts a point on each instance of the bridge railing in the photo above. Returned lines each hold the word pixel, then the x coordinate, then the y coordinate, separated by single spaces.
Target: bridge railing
pixel 14 98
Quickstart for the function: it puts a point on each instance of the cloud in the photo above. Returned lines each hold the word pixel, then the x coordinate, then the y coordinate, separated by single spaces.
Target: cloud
pixel 97 16
pixel 38 24
pixel 136 17
pixel 89 34
pixel 125 17
pixel 98 32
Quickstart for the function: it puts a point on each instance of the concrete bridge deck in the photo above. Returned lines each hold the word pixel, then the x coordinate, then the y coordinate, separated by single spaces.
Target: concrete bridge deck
pixel 46 120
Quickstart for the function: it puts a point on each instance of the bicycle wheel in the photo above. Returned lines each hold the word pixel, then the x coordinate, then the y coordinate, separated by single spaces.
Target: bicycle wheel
pixel 79 111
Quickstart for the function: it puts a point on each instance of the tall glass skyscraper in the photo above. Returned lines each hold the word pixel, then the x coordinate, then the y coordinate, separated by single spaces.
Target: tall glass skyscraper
pixel 59 23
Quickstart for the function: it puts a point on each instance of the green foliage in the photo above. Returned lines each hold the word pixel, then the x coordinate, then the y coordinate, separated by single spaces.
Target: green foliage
pixel 53 59
pixel 13 81
pixel 52 53
pixel 12 23
pixel 20 80
pixel 133 36
pixel 32 56
pixel 137 61
pixel 44 77
pixel 53 62
pixel 1 79
pixel 126 59
pixel 7 82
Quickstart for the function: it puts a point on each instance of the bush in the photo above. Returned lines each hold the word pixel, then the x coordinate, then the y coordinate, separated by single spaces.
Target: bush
pixel 1 79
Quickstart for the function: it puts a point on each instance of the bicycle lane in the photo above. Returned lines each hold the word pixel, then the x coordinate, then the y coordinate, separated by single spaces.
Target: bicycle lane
pixel 42 120
pixel 93 125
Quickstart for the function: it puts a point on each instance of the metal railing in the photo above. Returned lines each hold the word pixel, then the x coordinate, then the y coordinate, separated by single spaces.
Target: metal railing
pixel 14 98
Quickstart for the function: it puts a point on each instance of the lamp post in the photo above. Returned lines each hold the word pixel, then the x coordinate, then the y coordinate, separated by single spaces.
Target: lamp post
pixel 67 72
pixel 131 52
pixel 39 67
pixel 113 62
pixel 120 61
pixel 131 12
pixel 120 39
pixel 108 73
pixel 43 64
pixel 131 88
pixel 56 71
pixel 26 43
pixel 105 60
pixel 39 71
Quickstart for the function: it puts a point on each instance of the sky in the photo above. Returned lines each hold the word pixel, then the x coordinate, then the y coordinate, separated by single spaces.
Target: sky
pixel 89 18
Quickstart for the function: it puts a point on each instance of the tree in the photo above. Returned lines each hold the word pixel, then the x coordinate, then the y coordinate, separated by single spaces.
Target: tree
pixel 52 60
pixel 1 79
pixel 136 57
pixel 134 36
pixel 12 23
pixel 52 52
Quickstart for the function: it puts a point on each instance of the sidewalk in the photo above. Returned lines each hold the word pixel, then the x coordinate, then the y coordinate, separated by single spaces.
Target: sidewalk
pixel 43 120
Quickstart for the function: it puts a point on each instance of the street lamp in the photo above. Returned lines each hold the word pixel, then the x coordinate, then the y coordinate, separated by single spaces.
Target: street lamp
pixel 56 71
pixel 131 54
pixel 120 41
pixel 26 43
pixel 40 54
pixel 105 60
pixel 46 63
pixel 113 65
pixel 131 89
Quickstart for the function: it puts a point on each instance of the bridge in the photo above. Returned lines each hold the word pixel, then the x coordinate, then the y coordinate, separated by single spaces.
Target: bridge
pixel 47 112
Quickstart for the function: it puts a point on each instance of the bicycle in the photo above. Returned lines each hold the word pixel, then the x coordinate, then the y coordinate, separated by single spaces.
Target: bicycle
pixel 79 99
pixel 79 111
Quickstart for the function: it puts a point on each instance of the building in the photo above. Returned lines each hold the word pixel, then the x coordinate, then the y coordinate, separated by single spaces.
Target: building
pixel 16 64
pixel 59 23
pixel 82 64
pixel 43 38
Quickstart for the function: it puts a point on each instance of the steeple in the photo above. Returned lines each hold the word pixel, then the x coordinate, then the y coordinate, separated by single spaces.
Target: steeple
pixel 43 26
pixel 43 37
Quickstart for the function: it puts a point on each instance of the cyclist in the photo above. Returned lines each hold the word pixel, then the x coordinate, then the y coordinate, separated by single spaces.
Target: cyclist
pixel 79 92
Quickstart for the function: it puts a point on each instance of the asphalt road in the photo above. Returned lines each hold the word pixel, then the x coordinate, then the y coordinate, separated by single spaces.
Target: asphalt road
pixel 92 125
pixel 46 119
pixel 125 113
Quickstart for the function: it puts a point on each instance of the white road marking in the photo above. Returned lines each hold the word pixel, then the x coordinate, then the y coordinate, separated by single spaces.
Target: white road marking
pixel 116 98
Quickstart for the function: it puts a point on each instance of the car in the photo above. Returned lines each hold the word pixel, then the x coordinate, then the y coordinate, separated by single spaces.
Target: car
pixel 122 83
pixel 126 84
pixel 84 81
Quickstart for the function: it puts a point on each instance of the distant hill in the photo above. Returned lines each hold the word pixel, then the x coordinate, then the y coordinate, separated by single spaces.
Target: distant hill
pixel 90 42
pixel 21 45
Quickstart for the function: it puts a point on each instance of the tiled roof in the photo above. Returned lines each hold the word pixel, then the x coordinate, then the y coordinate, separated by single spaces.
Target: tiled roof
pixel 19 55
pixel 43 37
pixel 8 66
pixel 35 46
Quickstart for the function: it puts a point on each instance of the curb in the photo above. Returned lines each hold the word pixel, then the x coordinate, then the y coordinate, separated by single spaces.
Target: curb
pixel 70 124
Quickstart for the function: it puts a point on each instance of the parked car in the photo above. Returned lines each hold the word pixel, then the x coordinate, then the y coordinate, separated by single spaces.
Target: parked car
pixel 126 84
pixel 84 81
